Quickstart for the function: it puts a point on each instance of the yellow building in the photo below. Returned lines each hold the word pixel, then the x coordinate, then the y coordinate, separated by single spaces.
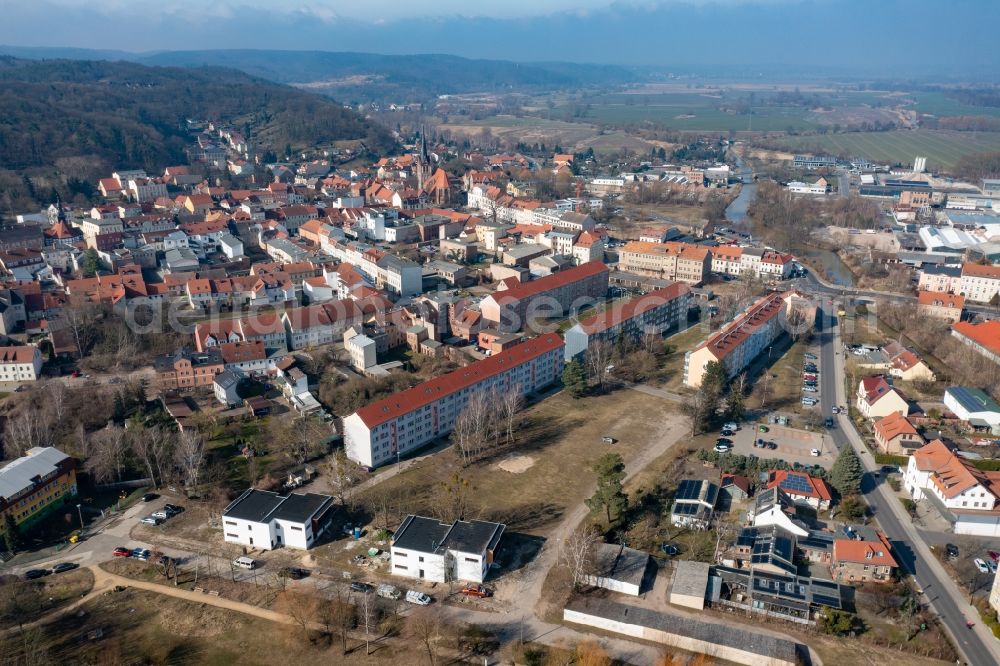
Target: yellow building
pixel 34 485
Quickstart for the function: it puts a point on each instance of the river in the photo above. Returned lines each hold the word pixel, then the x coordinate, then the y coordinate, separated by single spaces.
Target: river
pixel 736 213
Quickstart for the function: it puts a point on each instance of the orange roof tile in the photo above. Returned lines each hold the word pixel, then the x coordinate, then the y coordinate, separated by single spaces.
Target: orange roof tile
pixel 985 334
pixel 634 307
pixel 876 553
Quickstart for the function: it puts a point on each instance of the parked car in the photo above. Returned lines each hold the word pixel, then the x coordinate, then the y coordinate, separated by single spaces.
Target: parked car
pixel 727 433
pixel 951 549
pixel 669 549
pixel 245 562
pixel 763 428
pixel 731 426
pixel 141 554
pixel 65 566
pixel 725 441
pixel 981 565
pixel 809 377
pixel 772 445
pixel 760 443
pixel 810 389
pixel 811 357
pixel 173 509
pixel 161 515
pixel 608 440
pixel 32 574
pixel 814 453
pixel 835 410
pixel 994 555
pixel 722 448
pixel 151 520
pixel 363 588
pixel 809 402
pixel 295 573
pixel 387 591
pixel 122 551
pixel 828 423
pixel 477 591
pixel 418 598
pixel 992 566
pixel 149 497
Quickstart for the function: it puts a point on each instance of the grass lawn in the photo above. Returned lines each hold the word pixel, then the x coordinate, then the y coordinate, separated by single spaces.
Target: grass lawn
pixel 681 343
pixel 784 386
pixel 135 626
pixel 560 441
pixel 34 598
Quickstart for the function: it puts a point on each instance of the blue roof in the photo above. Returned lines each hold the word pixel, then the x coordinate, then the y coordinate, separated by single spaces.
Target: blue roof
pixel 973 399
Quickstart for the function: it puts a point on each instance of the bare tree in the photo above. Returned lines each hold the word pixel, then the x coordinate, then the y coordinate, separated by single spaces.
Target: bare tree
pixel 578 553
pixel 109 453
pixel 425 625
pixel 302 607
pixel 83 327
pixel 152 447
pixel 189 455
pixel 511 402
pixel 697 409
pixel 382 502
pixel 27 430
pixel 368 616
pixel 597 360
pixel 343 474
pixel 339 615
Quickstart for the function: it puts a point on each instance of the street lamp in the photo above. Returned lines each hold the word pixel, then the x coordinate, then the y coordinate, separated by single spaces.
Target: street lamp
pixel 79 512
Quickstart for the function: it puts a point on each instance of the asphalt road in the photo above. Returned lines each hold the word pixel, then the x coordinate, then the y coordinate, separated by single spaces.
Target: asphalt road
pixel 977 645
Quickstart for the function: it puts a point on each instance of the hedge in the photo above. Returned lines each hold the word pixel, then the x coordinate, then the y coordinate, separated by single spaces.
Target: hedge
pixel 886 459
pixel 987 465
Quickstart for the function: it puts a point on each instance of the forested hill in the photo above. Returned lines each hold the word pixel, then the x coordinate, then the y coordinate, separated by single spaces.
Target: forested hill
pixel 132 115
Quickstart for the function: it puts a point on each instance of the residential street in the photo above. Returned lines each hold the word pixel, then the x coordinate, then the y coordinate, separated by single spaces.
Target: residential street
pixel 977 645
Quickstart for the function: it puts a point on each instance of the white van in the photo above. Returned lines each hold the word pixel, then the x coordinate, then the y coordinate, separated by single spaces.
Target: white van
pixel 418 598
pixel 245 562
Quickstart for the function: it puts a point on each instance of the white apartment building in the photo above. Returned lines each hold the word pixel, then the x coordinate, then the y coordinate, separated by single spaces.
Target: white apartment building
pixel 650 314
pixel 266 520
pixel 980 283
pixel 427 549
pixel 362 350
pixel 398 425
pixel 20 364
pixel 144 189
pixel 742 340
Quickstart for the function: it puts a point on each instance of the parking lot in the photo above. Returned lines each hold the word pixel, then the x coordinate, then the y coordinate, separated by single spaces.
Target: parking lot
pixel 794 445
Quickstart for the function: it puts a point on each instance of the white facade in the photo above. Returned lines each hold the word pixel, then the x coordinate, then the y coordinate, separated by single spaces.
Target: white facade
pixel 265 520
pixel 406 421
pixel 20 364
pixel 427 549
pixel 362 351
pixel 231 246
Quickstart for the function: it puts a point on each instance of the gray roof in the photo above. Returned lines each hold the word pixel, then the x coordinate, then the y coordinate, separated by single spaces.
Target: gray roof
pixel 429 535
pixel 17 475
pixel 227 379
pixel 690 578
pixel 726 634
pixel 262 506
pixel 620 563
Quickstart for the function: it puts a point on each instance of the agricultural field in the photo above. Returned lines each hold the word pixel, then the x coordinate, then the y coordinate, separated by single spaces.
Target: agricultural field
pixel 569 135
pixel 942 148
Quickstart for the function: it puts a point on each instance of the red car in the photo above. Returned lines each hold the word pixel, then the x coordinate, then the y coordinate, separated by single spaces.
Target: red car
pixel 122 551
pixel 476 591
pixel 994 555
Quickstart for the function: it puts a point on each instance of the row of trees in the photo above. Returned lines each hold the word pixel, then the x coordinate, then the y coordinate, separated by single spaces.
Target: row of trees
pixel 487 423
pixel 717 393
pixel 163 454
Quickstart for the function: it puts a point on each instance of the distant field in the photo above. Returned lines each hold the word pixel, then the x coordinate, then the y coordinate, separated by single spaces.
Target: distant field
pixel 576 136
pixel 942 148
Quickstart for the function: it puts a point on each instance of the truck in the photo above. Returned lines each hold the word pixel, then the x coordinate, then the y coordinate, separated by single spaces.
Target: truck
pixel 387 591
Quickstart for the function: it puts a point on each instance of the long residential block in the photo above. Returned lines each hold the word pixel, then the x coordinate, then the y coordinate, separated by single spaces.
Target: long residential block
pixel 374 435
pixel 684 262
pixel 742 340
pixel 650 314
pixel 513 308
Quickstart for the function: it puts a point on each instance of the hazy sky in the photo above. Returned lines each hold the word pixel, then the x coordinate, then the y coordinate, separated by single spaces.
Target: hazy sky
pixel 837 33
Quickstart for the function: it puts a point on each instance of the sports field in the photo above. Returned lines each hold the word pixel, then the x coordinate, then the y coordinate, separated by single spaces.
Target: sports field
pixel 942 148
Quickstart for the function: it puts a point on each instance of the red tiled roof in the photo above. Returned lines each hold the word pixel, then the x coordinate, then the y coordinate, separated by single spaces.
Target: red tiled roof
pixel 876 553
pixel 622 312
pixel 985 334
pixel 737 331
pixel 237 352
pixel 892 426
pixel 19 354
pixel 951 474
pixel 941 300
pixel 434 389
pixel 522 290
pixel 979 270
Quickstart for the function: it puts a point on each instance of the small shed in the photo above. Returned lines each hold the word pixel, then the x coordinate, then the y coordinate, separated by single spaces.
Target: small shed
pixel 621 569
pixel 258 406
pixel 690 584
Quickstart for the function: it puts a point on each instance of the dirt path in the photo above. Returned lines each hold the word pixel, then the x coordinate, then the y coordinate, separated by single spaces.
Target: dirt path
pixel 530 587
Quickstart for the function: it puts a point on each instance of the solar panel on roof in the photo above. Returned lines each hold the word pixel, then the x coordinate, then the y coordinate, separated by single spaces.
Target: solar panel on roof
pixel 823 600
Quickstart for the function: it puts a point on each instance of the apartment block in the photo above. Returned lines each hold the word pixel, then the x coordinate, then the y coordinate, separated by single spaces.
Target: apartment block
pixel 398 425
pixel 683 262
pixel 650 314
pixel 980 283
pixel 34 485
pixel 742 340
pixel 511 307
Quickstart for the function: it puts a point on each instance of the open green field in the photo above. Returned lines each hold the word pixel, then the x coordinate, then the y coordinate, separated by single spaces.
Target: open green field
pixel 942 148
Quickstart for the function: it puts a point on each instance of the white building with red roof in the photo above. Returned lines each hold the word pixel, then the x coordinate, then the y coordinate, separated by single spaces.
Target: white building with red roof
pixel 650 314
pixel 402 423
pixel 21 363
pixel 802 488
pixel 984 337
pixel 877 399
